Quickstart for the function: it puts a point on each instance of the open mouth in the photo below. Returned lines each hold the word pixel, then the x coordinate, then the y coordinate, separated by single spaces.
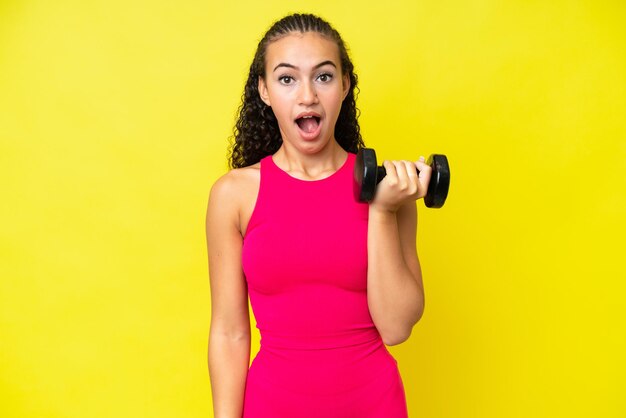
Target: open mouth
pixel 308 124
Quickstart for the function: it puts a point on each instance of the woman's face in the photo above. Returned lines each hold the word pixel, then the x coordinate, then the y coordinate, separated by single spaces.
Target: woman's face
pixel 304 86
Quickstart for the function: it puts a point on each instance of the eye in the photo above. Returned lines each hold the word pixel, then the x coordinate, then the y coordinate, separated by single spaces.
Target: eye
pixel 325 77
pixel 285 79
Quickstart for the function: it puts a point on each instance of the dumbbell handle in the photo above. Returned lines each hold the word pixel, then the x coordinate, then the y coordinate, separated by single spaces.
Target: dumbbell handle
pixel 439 181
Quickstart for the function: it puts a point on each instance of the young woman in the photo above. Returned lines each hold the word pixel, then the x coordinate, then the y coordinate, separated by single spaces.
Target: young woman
pixel 330 280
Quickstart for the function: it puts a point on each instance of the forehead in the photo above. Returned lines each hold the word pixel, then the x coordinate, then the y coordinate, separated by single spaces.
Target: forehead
pixel 302 50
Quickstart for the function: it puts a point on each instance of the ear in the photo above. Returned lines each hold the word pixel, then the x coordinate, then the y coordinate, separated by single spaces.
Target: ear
pixel 263 91
pixel 346 85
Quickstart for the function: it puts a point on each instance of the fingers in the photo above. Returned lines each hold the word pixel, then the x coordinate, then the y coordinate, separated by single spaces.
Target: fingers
pixel 396 173
pixel 409 177
pixel 402 176
pixel 423 168
pixel 390 168
pixel 412 180
pixel 424 176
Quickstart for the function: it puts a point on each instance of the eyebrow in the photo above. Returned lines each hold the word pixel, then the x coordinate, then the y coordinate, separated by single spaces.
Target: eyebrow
pixel 321 64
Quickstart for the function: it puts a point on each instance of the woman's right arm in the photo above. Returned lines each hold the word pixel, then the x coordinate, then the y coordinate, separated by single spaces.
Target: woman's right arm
pixel 229 335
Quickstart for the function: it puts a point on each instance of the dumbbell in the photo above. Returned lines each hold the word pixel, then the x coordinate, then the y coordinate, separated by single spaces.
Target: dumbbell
pixel 367 175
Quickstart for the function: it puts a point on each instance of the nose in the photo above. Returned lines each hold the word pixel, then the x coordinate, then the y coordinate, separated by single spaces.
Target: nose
pixel 307 94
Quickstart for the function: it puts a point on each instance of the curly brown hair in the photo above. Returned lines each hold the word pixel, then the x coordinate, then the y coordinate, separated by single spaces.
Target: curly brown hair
pixel 256 132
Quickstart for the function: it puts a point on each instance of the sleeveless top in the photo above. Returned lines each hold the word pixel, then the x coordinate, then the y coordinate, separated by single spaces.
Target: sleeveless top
pixel 304 257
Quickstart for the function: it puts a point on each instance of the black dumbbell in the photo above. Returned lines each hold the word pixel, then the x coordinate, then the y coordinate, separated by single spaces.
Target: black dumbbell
pixel 367 175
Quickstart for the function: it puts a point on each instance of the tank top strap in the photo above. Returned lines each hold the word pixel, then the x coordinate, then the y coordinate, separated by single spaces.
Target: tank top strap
pixel 266 177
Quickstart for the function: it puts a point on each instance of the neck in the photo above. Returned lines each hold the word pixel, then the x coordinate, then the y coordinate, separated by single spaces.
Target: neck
pixel 310 164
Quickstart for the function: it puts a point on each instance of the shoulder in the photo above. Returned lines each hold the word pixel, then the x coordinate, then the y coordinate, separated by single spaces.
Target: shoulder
pixel 231 191
pixel 230 185
pixel 227 184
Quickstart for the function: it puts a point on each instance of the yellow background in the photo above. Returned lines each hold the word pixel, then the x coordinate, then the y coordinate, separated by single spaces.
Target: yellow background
pixel 114 123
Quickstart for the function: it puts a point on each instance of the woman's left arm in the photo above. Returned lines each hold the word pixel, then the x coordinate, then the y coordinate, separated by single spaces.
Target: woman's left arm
pixel 394 278
pixel 395 293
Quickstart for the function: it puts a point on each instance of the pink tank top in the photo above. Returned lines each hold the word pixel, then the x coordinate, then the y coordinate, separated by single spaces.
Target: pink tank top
pixel 305 260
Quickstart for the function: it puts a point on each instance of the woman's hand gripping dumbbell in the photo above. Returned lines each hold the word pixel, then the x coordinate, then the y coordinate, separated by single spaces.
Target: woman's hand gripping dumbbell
pixel 367 175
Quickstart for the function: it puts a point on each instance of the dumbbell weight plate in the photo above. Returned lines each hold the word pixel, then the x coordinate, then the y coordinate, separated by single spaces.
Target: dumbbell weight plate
pixel 439 181
pixel 365 174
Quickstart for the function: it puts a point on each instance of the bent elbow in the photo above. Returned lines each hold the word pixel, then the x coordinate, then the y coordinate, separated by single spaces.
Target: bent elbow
pixel 391 340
